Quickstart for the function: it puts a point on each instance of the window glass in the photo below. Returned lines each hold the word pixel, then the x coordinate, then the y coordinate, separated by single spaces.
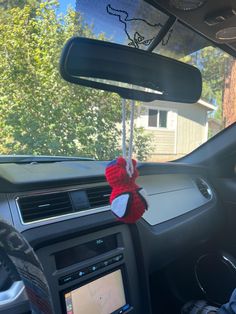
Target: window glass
pixel 41 114
pixel 152 118
pixel 162 119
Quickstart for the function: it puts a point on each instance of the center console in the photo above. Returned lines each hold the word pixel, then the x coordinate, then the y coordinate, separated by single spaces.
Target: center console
pixel 94 273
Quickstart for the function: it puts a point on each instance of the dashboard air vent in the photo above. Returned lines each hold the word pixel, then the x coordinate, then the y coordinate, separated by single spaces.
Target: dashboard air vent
pixel 204 188
pixel 44 206
pixel 99 196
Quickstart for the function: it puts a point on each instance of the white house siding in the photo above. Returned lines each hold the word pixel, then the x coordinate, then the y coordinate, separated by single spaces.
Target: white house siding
pixel 186 129
pixel 163 142
pixel 192 125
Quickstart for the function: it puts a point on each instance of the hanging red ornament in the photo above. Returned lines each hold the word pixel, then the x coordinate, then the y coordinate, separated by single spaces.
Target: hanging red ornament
pixel 128 200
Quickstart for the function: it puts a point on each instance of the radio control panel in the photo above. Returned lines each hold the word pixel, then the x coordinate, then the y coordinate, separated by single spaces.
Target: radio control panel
pixel 90 269
pixel 103 262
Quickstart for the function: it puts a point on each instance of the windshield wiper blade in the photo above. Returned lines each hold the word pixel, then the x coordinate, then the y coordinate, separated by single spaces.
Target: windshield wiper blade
pixel 39 159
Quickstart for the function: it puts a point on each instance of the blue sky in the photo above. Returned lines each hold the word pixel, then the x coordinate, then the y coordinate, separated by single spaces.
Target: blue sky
pixel 64 4
pixel 94 13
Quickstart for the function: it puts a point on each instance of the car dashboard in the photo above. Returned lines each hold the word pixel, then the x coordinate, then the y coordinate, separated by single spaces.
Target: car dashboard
pixel 62 209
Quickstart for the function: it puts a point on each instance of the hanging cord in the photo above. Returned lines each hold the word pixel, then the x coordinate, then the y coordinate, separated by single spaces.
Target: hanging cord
pixel 129 164
pixel 124 128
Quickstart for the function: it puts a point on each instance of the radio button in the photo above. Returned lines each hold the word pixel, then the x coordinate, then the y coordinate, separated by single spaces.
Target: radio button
pixel 66 279
pixel 105 263
pixel 100 265
pixel 117 258
pixel 86 270
pixel 81 273
pixel 108 262
pixel 92 268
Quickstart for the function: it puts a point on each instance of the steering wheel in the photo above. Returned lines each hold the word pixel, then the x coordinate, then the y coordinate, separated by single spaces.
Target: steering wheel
pixel 16 252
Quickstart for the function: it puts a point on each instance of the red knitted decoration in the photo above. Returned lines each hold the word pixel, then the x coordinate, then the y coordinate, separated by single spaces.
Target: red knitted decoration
pixel 127 199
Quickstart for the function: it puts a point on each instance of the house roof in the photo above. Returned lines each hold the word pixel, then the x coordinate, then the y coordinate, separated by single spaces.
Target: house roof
pixel 205 104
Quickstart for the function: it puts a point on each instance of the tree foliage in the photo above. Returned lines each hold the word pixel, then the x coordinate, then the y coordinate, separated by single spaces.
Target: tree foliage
pixel 212 62
pixel 39 112
pixel 9 4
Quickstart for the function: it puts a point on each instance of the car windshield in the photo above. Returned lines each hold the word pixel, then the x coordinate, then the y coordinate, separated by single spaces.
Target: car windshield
pixel 42 115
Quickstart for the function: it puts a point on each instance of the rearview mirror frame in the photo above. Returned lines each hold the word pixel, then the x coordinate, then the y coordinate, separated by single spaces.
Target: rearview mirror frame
pixel 84 61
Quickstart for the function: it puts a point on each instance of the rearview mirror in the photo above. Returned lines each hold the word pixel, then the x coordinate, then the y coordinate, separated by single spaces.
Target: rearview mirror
pixel 130 72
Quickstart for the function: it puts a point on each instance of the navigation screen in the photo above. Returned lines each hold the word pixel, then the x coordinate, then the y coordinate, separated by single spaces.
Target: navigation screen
pixel 101 296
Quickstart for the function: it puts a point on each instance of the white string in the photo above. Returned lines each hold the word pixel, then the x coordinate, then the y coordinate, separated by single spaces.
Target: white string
pixel 129 164
pixel 123 128
pixel 129 167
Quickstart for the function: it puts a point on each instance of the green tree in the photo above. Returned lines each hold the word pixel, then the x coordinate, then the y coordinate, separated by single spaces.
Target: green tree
pixel 212 62
pixel 142 144
pixel 39 112
pixel 9 4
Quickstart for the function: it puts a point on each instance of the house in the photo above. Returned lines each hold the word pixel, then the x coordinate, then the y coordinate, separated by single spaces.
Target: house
pixel 176 128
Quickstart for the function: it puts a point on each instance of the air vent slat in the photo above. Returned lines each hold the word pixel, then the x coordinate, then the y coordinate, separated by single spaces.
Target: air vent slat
pixel 101 202
pixel 99 191
pixel 99 197
pixel 41 202
pixel 52 213
pixel 45 206
pixel 40 199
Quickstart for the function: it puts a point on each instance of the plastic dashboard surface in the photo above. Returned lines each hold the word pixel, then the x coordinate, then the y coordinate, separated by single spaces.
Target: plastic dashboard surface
pixel 32 176
pixel 170 195
pixel 170 226
pixel 171 188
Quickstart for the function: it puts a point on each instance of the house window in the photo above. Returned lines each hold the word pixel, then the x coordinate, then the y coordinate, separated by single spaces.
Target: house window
pixel 162 119
pixel 157 118
pixel 152 118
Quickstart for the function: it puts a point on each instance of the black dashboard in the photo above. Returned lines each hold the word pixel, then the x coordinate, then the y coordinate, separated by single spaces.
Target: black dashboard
pixel 83 245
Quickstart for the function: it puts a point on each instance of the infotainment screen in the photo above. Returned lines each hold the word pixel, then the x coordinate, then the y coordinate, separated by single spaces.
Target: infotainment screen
pixel 104 295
